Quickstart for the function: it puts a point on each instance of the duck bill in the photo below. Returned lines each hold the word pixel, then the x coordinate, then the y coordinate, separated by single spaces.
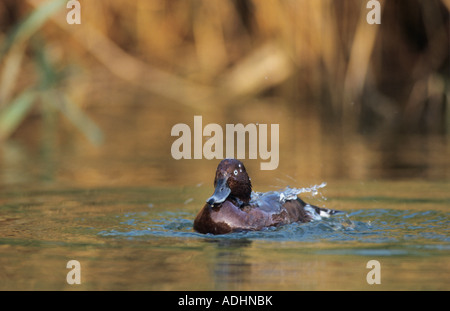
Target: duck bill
pixel 221 192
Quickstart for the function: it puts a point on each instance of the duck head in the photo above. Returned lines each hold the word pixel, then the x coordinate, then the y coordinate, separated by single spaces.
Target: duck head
pixel 231 181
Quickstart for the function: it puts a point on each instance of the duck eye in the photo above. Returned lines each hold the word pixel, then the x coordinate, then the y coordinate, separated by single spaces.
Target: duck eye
pixel 235 172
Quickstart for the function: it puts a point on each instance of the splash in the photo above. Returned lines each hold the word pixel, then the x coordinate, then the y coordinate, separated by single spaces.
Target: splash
pixel 289 193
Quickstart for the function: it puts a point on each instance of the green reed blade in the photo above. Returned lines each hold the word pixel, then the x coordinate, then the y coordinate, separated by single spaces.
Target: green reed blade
pixel 15 112
pixel 31 24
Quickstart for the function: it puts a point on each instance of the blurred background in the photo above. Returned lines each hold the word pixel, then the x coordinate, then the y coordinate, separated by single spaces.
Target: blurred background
pixel 93 104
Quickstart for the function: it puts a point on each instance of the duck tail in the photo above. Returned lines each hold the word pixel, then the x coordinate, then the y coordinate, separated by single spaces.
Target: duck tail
pixel 321 211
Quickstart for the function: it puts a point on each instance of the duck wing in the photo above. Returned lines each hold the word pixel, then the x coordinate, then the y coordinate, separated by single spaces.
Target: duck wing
pixel 275 202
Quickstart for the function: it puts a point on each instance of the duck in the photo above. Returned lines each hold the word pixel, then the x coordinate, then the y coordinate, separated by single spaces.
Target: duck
pixel 234 207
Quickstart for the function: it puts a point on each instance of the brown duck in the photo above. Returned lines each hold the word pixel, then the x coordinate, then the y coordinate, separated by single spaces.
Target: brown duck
pixel 231 207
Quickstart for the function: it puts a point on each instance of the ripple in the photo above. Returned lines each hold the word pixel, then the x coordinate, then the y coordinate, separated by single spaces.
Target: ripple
pixel 372 226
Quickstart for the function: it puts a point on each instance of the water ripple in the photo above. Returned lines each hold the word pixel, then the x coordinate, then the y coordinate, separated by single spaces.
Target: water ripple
pixel 373 226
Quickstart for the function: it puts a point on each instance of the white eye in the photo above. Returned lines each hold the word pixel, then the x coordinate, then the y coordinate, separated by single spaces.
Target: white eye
pixel 235 172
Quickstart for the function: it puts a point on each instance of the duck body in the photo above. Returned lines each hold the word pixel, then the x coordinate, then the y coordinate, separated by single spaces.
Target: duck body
pixel 234 207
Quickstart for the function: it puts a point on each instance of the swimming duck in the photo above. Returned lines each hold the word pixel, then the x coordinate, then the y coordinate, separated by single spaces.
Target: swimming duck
pixel 231 208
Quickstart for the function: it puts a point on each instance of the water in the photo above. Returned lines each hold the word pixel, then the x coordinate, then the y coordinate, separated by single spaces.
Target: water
pixel 125 209
pixel 141 238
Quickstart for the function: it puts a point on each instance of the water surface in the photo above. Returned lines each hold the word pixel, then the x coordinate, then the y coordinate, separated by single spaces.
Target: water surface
pixel 141 238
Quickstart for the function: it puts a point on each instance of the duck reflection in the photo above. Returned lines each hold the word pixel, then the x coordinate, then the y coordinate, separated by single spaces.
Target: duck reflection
pixel 232 268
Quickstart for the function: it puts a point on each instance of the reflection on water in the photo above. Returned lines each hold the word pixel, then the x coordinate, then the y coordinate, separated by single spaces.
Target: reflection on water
pixel 125 209
pixel 142 238
pixel 137 145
